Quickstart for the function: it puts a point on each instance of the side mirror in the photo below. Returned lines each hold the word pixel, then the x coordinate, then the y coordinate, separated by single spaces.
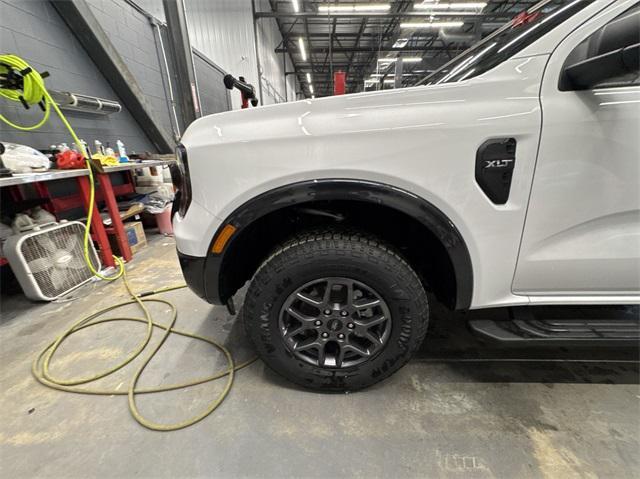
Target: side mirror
pixel 588 73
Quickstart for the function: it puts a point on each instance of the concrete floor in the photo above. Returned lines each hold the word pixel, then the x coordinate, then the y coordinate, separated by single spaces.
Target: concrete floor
pixel 461 409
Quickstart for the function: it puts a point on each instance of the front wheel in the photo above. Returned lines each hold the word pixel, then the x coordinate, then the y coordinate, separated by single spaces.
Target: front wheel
pixel 335 311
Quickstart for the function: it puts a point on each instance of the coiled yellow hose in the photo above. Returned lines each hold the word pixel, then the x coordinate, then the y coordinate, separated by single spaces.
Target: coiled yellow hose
pixel 34 92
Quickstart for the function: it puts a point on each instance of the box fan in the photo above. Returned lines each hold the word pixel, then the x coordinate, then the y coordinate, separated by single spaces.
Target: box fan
pixel 48 261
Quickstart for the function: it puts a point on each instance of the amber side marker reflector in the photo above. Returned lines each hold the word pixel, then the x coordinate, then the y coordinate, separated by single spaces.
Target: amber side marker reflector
pixel 223 237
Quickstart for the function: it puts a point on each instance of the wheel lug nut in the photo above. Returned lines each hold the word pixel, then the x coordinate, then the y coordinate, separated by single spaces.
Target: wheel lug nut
pixel 317 322
pixel 325 335
pixel 327 312
pixel 340 336
pixel 351 325
pixel 344 313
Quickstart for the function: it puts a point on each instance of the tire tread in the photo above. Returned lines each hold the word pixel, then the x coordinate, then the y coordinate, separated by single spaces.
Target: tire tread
pixel 360 245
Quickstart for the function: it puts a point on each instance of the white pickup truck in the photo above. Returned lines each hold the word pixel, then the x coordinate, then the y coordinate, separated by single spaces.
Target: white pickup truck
pixel 509 177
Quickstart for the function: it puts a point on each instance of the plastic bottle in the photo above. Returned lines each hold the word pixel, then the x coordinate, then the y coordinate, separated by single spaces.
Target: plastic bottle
pixel 85 146
pixel 109 151
pixel 98 146
pixel 122 152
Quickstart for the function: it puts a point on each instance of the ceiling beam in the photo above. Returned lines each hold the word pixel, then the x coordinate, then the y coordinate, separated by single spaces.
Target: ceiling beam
pixel 383 15
pixel 180 46
pixel 360 49
pixel 87 29
pixel 363 25
pixel 352 42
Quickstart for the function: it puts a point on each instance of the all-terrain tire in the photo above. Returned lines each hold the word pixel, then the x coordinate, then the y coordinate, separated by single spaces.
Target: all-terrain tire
pixel 360 257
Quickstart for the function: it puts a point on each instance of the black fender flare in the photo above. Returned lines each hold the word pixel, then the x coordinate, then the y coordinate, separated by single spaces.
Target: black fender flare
pixel 357 190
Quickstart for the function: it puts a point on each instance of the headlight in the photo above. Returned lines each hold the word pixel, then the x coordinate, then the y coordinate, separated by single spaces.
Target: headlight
pixel 182 182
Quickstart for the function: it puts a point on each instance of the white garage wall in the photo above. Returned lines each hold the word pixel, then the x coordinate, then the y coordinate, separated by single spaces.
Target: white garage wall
pixel 223 31
pixel 273 83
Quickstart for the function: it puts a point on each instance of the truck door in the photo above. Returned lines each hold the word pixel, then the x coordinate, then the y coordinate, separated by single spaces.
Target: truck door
pixel 582 230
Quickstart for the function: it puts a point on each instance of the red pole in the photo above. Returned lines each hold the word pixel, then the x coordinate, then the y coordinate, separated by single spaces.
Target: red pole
pixel 339 83
pixel 96 223
pixel 114 213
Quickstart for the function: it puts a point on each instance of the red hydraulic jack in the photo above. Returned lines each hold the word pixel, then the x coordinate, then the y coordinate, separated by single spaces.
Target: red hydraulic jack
pixel 247 92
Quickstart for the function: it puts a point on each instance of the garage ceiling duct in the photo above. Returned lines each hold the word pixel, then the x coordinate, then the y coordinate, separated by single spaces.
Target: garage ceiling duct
pixel 90 104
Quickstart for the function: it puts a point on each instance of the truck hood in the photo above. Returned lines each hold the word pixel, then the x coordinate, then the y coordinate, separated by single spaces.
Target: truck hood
pixel 512 88
pixel 327 116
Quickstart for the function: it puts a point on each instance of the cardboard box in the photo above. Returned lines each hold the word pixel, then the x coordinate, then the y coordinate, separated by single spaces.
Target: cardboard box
pixel 135 237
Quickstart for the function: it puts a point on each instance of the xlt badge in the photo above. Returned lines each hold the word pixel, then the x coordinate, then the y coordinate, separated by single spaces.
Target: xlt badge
pixel 495 161
pixel 498 163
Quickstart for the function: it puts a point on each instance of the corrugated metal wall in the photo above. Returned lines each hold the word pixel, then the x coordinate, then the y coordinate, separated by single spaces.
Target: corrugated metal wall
pixel 223 31
pixel 273 83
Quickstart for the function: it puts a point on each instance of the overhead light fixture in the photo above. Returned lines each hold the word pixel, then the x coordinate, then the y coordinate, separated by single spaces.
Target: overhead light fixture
pixel 308 77
pixel 400 43
pixel 451 6
pixel 296 5
pixel 417 25
pixel 355 8
pixel 376 76
pixel 311 89
pixel 447 13
pixel 303 50
pixel 404 59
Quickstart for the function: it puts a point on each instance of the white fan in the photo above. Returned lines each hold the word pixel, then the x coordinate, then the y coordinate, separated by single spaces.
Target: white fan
pixel 49 261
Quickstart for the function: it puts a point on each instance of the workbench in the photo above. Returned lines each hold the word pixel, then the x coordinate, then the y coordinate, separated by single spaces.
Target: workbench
pixel 105 191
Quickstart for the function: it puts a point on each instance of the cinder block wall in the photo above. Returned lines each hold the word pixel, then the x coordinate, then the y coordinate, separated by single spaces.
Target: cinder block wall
pixel 36 32
pixel 136 40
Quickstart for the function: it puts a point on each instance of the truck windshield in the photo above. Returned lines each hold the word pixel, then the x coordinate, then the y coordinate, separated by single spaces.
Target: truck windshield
pixel 521 31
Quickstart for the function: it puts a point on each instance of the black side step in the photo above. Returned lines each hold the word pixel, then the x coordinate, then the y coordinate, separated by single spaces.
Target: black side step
pixel 525 328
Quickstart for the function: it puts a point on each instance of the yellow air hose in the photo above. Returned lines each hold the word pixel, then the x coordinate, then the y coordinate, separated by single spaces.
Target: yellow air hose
pixel 34 91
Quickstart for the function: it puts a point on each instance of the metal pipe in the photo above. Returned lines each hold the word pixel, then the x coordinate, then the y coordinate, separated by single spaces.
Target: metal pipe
pixel 255 40
pixel 188 94
pixel 175 124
